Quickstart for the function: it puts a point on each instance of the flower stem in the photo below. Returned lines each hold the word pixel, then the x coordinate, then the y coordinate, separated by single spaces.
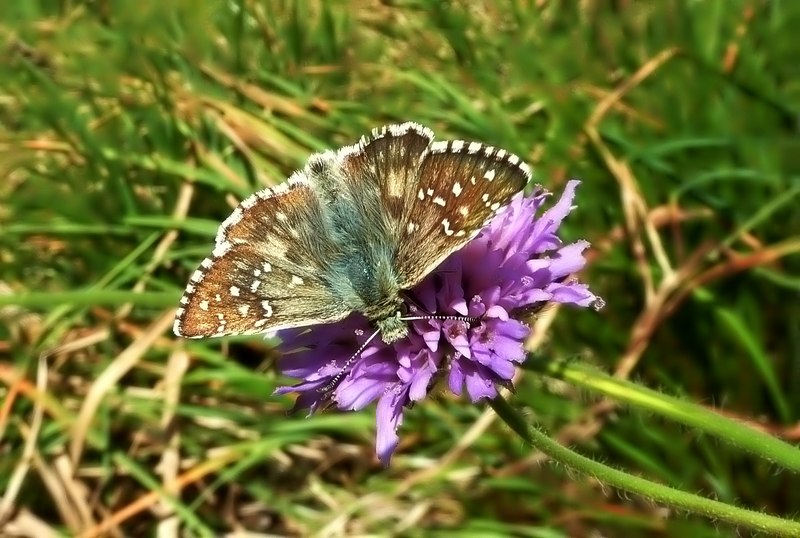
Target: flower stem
pixel 772 525
pixel 695 416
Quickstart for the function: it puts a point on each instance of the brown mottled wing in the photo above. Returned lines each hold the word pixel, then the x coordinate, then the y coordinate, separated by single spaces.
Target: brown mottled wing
pixel 379 173
pixel 266 270
pixel 461 187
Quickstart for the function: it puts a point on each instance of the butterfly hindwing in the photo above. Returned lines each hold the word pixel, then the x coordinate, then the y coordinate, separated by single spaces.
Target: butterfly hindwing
pixel 266 271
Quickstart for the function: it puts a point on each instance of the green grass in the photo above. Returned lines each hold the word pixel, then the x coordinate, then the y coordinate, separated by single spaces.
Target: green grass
pixel 130 130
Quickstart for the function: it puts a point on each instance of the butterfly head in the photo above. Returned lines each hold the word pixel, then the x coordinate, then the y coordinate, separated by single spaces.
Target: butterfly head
pixel 384 308
pixel 392 328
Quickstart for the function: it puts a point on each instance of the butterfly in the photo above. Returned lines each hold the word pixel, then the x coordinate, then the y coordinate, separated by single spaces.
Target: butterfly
pixel 349 232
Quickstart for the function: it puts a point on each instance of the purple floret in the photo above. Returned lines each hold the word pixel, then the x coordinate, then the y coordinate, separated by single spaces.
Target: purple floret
pixel 515 265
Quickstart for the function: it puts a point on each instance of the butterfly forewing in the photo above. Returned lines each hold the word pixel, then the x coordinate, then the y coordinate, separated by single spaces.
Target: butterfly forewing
pixel 266 270
pixel 461 186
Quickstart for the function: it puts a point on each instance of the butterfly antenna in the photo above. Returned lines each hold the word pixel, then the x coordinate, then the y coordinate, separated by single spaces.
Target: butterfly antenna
pixel 355 356
pixel 348 363
pixel 441 317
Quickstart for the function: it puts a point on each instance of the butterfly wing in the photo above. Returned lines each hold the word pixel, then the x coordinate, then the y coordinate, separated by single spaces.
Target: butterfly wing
pixel 266 271
pixel 461 186
pixel 366 188
pixel 382 170
pixel 395 186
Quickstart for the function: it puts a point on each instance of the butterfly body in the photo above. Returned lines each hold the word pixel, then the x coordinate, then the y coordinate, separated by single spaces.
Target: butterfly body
pixel 362 273
pixel 348 233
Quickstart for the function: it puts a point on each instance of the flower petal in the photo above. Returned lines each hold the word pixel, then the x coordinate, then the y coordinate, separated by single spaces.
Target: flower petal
pixel 572 292
pixel 388 418
pixel 479 385
pixel 569 259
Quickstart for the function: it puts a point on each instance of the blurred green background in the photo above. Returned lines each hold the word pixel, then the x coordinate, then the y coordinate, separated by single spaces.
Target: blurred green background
pixel 131 129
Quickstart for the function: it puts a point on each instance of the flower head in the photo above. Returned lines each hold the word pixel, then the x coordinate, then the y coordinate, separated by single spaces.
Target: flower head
pixel 516 264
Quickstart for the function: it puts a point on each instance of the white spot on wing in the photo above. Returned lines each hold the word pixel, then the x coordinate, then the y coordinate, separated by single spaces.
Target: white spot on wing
pixel 232 220
pixel 394 185
pixel 474 147
pixel 463 211
pixel 267 267
pixel 411 227
pixel 399 129
pixel 439 201
pixel 489 175
pixel 234 291
pixel 221 249
pixel 280 216
pixel 457 145
pixel 297 281
pixel 249 202
pixel 244 309
pixel 457 189
pixel 446 226
pixel 267 308
pixel 254 286
pixel 204 305
pixel 421 194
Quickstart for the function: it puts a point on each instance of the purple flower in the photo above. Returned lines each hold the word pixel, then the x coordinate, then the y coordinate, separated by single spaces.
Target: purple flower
pixel 516 264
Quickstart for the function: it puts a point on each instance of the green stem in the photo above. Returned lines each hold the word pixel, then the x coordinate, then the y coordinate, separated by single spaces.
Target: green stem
pixel 772 525
pixel 695 416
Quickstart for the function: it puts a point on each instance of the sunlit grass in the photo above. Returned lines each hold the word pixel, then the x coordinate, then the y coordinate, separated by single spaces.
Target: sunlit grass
pixel 129 133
